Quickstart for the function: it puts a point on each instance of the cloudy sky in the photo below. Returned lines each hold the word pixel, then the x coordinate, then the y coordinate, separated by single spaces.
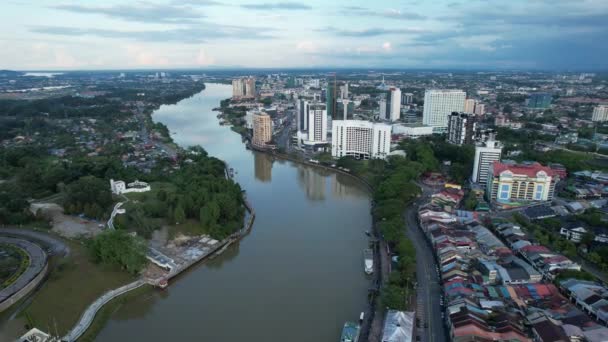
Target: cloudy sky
pixel 533 34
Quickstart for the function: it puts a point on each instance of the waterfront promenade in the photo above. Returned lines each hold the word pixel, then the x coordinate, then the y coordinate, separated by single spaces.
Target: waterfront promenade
pixel 89 314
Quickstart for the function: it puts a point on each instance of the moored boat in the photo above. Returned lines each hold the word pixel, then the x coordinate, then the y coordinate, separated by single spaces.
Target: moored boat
pixel 368 260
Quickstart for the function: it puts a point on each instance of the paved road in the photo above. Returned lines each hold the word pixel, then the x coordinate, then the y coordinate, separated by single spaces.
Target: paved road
pixel 429 291
pixel 52 244
pixel 37 263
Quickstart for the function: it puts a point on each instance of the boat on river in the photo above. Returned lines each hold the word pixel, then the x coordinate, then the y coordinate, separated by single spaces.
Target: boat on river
pixel 368 259
pixel 350 332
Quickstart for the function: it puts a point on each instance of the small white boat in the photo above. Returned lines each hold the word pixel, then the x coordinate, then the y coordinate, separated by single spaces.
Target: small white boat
pixel 368 259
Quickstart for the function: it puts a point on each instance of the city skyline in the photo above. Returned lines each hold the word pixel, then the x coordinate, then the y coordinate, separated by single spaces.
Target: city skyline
pixel 243 34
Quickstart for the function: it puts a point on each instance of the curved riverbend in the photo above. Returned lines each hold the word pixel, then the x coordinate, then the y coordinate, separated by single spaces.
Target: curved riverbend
pixel 297 277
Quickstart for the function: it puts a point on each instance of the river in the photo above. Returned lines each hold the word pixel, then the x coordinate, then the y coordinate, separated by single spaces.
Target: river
pixel 297 277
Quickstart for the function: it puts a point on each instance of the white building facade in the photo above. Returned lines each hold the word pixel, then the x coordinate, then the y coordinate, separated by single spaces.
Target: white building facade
pixel 438 104
pixel 317 121
pixel 485 154
pixel 360 139
pixel 395 110
pixel 600 113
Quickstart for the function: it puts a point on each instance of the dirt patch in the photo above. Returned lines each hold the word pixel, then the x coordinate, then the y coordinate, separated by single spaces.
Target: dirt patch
pixel 67 225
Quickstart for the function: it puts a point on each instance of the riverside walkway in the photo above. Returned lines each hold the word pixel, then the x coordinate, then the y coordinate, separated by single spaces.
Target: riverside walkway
pixel 89 314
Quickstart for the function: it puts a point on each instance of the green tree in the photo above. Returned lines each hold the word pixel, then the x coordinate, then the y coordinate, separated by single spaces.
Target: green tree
pixel 118 248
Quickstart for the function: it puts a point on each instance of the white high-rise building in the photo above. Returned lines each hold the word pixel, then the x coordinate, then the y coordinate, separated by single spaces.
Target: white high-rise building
pixel 480 109
pixel 485 154
pixel 360 139
pixel 344 91
pixel 395 110
pixel 600 113
pixel 317 121
pixel 439 104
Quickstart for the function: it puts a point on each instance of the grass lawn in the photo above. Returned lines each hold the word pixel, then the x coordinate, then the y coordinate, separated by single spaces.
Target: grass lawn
pixel 73 284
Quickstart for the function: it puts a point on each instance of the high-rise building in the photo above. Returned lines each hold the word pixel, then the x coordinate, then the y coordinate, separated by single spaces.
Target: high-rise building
pixel 360 139
pixel 480 109
pixel 344 91
pixel 237 88
pixel 317 124
pixel 469 106
pixel 330 96
pixel 539 100
pixel 485 154
pixel 382 105
pixel 302 115
pixel 439 104
pixel 395 108
pixel 262 129
pixel 461 128
pixel 345 109
pixel 249 87
pixel 407 98
pixel 600 113
pixel 243 87
pixel 520 182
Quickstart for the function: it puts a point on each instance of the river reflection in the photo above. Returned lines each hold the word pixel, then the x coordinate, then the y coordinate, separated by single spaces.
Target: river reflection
pixel 297 277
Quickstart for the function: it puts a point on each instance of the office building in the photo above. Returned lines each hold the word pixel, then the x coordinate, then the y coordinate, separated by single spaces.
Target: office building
pixel 469 106
pixel 486 153
pixel 302 115
pixel 330 97
pixel 360 139
pixel 317 121
pixel 600 113
pixel 262 129
pixel 395 107
pixel 461 128
pixel 439 104
pixel 407 98
pixel 520 182
pixel 539 100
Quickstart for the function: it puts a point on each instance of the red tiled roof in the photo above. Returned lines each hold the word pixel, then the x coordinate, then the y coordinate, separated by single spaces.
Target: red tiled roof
pixel 529 170
pixel 534 248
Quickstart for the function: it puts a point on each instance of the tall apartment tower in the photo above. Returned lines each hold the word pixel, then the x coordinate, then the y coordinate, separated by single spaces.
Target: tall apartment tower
pixel 461 128
pixel 262 129
pixel 600 113
pixel 249 87
pixel 439 104
pixel 485 154
pixel 237 88
pixel 480 109
pixel 317 121
pixel 395 108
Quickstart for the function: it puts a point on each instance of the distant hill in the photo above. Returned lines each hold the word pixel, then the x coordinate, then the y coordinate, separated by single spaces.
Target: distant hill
pixel 10 73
